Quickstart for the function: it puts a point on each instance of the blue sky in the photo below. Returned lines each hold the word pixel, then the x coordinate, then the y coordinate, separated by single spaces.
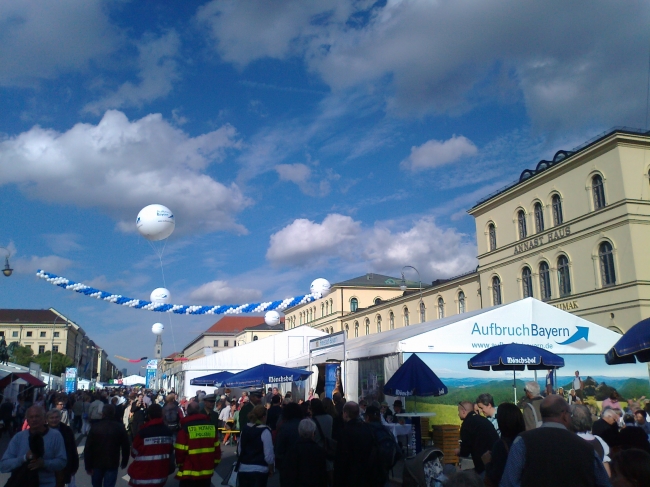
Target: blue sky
pixel 292 139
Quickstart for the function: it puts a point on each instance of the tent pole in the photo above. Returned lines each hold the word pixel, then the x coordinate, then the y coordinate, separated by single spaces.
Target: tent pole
pixel 514 383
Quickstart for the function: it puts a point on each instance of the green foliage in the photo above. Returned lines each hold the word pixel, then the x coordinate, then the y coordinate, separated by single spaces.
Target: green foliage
pixel 635 388
pixel 59 362
pixel 22 355
pixel 501 391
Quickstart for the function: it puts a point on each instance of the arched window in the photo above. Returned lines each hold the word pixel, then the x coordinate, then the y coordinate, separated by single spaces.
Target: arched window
pixel 356 329
pixel 377 300
pixel 563 277
pixel 527 282
pixel 599 192
pixel 391 320
pixel 521 224
pixel 423 312
pixel 556 203
pixel 367 326
pixel 441 308
pixel 606 257
pixel 378 324
pixel 492 236
pixel 331 306
pixel 322 310
pixel 461 302
pixel 300 318
pixel 347 329
pixel 406 317
pixel 544 281
pixel 354 304
pixel 539 217
pixel 327 307
pixel 496 291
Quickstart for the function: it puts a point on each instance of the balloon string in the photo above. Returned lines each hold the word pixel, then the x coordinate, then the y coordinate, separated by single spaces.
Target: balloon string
pixel 162 271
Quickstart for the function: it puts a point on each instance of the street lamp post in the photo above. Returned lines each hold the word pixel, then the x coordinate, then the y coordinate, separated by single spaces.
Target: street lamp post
pixel 7 269
pixel 403 286
pixel 49 380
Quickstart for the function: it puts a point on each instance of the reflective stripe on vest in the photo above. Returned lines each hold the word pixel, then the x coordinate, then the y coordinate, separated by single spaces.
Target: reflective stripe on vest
pixel 194 473
pixel 148 481
pixel 146 458
pixel 180 446
pixel 196 451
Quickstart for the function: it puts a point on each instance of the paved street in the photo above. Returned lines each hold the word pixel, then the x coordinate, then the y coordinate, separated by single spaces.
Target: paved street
pixel 83 480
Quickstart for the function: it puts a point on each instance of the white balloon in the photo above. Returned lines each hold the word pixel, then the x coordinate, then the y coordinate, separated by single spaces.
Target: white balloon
pixel 160 296
pixel 272 318
pixel 157 328
pixel 321 286
pixel 155 222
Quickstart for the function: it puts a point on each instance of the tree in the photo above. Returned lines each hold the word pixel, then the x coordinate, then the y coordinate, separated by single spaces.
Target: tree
pixel 59 362
pixel 23 355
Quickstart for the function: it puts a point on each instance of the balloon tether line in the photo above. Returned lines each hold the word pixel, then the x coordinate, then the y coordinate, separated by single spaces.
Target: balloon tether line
pixel 162 271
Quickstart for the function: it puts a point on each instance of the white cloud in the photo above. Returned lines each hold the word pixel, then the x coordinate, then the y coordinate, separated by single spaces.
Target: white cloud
pixel 448 57
pixel 304 242
pixel 29 265
pixel 301 175
pixel 63 242
pixel 120 166
pixel 157 72
pixel 220 292
pixel 245 31
pixel 41 40
pixel 435 153
pixel 385 248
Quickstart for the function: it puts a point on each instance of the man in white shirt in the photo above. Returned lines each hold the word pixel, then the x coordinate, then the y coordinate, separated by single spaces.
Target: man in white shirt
pixel 578 385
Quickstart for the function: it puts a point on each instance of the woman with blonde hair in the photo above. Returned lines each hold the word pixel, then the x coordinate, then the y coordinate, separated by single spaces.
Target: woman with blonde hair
pixel 256 458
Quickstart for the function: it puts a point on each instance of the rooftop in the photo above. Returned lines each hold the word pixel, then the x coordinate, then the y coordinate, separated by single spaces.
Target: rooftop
pixel 559 157
pixel 265 327
pixel 234 324
pixel 35 316
pixel 377 280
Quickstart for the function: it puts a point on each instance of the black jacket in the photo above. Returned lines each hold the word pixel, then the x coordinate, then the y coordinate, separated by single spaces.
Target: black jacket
pixel 305 465
pixel 287 436
pixel 70 450
pixel 272 416
pixel 477 435
pixel 106 439
pixel 353 466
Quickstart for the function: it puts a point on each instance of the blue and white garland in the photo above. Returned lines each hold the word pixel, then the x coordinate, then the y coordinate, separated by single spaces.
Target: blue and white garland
pixel 176 308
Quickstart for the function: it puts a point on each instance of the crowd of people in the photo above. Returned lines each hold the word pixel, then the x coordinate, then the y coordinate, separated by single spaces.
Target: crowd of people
pixel 318 442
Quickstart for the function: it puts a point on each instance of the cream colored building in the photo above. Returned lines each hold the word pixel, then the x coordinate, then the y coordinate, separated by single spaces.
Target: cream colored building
pixel 45 330
pixel 220 336
pixel 258 332
pixel 573 232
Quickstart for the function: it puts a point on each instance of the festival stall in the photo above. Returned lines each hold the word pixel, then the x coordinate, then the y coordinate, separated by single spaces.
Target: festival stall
pixel 273 350
pixel 447 344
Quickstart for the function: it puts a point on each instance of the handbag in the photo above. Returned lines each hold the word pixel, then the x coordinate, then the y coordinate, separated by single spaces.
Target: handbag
pixel 329 445
pixel 231 479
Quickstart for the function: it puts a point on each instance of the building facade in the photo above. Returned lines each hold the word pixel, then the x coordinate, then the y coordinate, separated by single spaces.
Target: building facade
pixel 220 336
pixel 45 330
pixel 572 232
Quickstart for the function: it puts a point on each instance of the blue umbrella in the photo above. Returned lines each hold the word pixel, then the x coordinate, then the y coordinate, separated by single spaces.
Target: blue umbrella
pixel 212 380
pixel 265 374
pixel 515 356
pixel 633 346
pixel 415 378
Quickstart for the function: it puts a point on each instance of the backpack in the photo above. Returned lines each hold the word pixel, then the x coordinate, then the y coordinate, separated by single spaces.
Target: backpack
pixel 387 451
pixel 538 422
pixel 170 416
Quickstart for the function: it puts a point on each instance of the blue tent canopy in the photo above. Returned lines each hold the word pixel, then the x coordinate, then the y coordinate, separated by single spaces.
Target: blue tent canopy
pixel 414 378
pixel 515 356
pixel 212 380
pixel 633 346
pixel 266 374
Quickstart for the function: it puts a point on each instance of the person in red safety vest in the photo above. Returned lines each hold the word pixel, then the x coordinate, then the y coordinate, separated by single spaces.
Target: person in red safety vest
pixel 197 447
pixel 152 451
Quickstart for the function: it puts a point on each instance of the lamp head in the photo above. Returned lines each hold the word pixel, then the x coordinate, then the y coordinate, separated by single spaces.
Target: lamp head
pixel 402 284
pixel 7 270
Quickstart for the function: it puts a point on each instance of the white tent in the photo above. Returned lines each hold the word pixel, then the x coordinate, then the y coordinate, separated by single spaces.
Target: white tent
pixel 273 350
pixel 133 380
pixel 526 321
